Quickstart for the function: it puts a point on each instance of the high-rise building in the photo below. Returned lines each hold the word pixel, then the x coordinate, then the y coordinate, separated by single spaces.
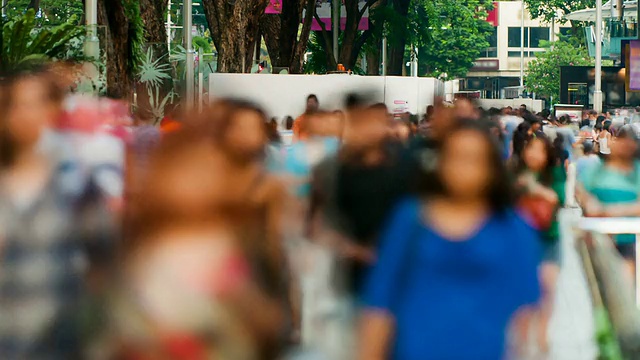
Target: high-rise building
pixel 497 72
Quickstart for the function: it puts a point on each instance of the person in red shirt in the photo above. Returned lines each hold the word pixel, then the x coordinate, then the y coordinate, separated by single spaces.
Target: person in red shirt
pixel 299 126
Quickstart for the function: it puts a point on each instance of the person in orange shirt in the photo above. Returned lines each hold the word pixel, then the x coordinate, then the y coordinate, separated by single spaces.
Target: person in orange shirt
pixel 299 128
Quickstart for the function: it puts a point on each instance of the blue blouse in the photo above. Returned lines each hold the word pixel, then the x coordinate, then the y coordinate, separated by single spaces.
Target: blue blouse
pixel 453 299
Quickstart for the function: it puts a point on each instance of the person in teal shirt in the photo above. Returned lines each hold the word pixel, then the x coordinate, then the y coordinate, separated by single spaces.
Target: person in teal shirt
pixel 612 189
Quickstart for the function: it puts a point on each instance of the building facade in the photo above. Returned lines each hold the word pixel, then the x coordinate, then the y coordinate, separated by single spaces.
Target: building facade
pixel 496 73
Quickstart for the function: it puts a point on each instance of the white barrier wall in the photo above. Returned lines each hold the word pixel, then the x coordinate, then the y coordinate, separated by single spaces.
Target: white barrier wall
pixel 283 95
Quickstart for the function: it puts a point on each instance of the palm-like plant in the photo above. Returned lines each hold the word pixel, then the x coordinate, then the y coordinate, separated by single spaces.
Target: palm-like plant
pixel 153 72
pixel 23 44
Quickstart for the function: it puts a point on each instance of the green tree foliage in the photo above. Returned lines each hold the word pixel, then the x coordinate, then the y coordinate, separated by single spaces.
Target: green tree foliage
pixel 24 44
pixel 548 9
pixel 543 74
pixel 200 42
pixel 318 58
pixel 450 35
pixel 51 12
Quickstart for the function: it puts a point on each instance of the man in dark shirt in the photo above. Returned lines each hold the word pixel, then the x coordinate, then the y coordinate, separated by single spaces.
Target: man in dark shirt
pixel 356 190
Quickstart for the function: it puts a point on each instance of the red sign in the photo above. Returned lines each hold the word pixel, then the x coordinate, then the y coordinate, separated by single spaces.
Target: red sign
pixel 274 7
pixel 492 16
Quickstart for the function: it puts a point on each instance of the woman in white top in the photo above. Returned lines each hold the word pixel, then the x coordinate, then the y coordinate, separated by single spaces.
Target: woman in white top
pixel 604 140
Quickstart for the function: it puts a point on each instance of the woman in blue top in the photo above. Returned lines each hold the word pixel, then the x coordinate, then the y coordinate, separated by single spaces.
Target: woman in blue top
pixel 454 269
pixel 612 189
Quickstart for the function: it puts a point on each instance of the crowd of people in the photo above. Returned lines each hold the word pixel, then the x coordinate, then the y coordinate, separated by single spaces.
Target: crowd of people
pixel 349 235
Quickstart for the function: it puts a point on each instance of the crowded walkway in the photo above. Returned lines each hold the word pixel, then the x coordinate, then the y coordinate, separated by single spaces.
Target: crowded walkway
pixel 349 233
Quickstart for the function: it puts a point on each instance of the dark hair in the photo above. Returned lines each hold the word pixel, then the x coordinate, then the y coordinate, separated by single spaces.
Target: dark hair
pixel 600 119
pixel 520 137
pixel 607 125
pixel 530 118
pixel 312 96
pixel 288 123
pixel 499 190
pixel 546 177
pixel 598 126
pixel 545 113
pixel 558 148
pixel 272 131
pixel 587 147
pixel 585 123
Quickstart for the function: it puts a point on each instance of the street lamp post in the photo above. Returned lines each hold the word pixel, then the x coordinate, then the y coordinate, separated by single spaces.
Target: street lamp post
pixel 597 94
pixel 384 56
pixel 522 15
pixel 336 28
pixel 187 9
pixel 91 40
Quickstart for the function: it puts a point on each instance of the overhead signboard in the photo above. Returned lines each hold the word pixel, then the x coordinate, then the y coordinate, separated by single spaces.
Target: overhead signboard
pixel 486 64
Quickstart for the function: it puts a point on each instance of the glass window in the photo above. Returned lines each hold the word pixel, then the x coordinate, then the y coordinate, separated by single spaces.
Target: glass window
pixel 527 54
pixel 492 50
pixel 565 31
pixel 537 34
pixel 514 37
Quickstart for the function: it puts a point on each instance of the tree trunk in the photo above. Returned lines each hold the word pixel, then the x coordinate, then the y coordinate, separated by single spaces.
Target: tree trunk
pixel 153 17
pixel 352 38
pixel 396 53
pixel 111 14
pixel 234 28
pixel 280 32
pixel 34 4
pixel 349 51
pixel 373 59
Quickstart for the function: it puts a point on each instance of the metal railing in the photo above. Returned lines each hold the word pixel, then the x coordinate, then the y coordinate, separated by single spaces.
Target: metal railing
pixel 611 286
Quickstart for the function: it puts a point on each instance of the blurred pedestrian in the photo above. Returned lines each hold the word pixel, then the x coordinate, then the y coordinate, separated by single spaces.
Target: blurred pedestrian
pixel 604 139
pixel 610 189
pixel 478 258
pixel 300 126
pixel 191 284
pixel 541 184
pixel 44 236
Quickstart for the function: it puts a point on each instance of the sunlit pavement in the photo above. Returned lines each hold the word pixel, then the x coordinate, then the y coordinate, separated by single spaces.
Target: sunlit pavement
pixel 571 330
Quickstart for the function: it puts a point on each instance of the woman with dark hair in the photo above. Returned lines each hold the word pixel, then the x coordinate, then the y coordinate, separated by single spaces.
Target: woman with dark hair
pixel 604 139
pixel 520 137
pixel 612 188
pixel 541 185
pixel 272 131
pixel 455 266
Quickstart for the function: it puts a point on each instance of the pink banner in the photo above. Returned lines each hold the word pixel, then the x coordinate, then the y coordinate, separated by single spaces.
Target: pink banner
pixel 323 9
pixel 634 65
pixel 274 7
